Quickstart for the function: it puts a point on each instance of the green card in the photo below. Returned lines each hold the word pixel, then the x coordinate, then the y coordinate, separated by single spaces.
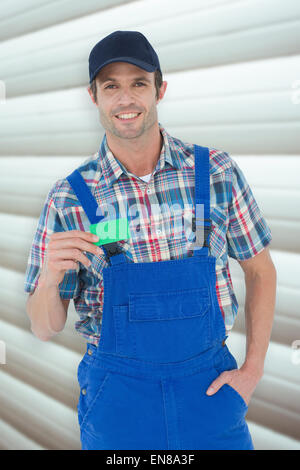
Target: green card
pixel 111 231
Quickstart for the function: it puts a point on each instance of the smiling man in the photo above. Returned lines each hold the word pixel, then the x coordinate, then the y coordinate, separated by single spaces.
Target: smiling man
pixel 156 306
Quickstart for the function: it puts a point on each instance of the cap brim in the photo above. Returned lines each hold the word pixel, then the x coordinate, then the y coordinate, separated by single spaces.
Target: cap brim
pixel 138 63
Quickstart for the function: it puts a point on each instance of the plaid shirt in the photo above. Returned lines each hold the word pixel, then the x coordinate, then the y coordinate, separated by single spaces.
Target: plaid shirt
pixel 238 227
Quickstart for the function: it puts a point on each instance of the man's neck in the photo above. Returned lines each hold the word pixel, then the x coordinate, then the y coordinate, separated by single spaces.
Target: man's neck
pixel 139 156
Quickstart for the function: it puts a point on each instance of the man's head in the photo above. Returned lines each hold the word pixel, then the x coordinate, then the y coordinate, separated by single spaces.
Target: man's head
pixel 125 77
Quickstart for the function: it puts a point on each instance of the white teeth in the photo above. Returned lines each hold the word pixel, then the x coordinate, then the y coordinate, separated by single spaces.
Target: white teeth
pixel 127 116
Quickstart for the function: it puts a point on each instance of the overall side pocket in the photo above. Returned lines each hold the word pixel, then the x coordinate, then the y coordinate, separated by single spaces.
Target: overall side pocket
pixel 229 363
pixel 95 385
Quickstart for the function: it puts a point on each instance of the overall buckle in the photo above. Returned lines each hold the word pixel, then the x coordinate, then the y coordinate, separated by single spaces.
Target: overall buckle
pixel 112 249
pixel 207 230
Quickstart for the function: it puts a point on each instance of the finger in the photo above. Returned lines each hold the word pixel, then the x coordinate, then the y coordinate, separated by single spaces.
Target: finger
pixel 73 254
pixel 78 243
pixel 216 384
pixel 76 234
pixel 67 264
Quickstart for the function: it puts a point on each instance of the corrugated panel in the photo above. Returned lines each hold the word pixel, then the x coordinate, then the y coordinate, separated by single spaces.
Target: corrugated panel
pixel 18 18
pixel 231 68
pixel 11 439
pixel 211 35
pixel 275 402
pixel 240 118
pixel 25 193
pixel 264 438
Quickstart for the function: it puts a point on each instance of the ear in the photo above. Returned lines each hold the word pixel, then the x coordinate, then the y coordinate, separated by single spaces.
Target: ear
pixel 91 94
pixel 162 90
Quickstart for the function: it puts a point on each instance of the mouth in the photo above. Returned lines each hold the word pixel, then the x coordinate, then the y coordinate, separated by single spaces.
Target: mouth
pixel 130 117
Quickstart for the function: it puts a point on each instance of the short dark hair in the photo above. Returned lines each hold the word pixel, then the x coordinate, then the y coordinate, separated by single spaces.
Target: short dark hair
pixel 158 79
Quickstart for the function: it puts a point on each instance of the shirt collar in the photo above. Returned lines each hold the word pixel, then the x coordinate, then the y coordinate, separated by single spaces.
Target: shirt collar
pixel 171 153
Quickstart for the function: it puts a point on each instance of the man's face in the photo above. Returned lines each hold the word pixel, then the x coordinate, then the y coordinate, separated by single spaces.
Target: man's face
pixel 123 88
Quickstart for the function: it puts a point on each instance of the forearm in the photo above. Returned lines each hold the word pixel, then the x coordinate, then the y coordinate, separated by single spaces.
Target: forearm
pixel 46 310
pixel 259 315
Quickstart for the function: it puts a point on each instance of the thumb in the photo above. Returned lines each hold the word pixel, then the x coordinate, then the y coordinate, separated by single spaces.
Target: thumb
pixel 216 385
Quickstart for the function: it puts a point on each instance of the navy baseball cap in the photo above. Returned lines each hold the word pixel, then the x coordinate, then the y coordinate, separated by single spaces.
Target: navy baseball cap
pixel 123 46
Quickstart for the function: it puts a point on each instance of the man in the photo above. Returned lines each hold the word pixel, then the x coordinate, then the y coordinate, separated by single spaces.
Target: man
pixel 156 306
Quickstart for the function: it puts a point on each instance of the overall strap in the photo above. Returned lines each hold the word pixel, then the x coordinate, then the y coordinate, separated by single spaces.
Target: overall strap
pixel 112 250
pixel 201 223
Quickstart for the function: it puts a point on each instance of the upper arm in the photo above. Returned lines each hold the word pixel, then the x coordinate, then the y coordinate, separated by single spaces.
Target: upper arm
pixel 257 264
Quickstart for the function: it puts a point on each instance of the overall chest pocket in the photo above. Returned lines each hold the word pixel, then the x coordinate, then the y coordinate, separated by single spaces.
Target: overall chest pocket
pixel 164 326
pixel 171 305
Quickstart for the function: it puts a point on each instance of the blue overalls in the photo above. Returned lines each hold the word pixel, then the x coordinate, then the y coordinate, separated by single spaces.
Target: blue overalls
pixel 162 344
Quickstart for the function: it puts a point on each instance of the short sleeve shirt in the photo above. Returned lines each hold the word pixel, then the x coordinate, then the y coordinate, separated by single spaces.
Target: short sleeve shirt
pixel 239 229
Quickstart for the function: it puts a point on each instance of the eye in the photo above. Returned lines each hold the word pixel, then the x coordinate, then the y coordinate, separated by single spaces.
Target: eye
pixel 137 83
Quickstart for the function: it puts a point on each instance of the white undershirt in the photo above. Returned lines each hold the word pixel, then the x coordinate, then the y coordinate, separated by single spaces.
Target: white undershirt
pixel 146 177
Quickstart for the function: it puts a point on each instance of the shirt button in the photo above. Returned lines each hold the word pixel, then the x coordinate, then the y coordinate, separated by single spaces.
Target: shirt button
pixel 90 352
pixel 148 191
pixel 83 391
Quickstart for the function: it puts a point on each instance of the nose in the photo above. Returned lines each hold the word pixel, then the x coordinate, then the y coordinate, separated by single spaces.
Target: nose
pixel 125 97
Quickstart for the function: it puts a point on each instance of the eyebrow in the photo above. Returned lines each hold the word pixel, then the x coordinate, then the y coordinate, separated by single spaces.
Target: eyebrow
pixel 141 78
